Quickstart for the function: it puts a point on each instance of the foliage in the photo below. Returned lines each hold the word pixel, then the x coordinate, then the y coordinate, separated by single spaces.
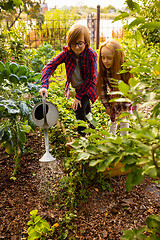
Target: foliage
pixel 36 59
pixel 139 151
pixel 12 47
pixel 150 231
pixel 16 82
pixel 146 19
pixel 11 10
pixel 10 4
pixel 38 227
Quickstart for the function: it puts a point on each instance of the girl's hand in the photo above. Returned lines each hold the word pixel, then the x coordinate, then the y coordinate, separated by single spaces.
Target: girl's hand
pixel 75 104
pixel 43 90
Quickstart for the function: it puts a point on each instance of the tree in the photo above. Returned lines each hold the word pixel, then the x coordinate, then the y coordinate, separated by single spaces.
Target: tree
pixel 11 10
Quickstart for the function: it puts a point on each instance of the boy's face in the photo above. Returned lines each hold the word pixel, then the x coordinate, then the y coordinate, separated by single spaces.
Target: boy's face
pixel 107 57
pixel 79 46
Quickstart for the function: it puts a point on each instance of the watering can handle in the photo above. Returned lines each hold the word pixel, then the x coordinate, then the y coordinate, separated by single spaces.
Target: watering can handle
pixel 44 111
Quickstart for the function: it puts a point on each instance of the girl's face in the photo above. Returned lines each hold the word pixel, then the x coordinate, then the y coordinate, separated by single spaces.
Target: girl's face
pixel 79 46
pixel 107 57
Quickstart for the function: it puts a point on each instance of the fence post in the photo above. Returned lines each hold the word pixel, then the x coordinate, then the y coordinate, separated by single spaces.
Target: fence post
pixel 98 26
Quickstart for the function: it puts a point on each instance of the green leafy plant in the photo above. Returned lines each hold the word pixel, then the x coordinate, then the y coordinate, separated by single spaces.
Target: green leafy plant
pixel 37 59
pixel 146 15
pixel 15 110
pixel 150 231
pixel 38 228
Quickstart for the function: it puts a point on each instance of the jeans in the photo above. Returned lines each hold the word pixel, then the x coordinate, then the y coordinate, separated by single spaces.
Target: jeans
pixel 81 113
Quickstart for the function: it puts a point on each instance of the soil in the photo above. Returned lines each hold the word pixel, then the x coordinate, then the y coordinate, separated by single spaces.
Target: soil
pixel 103 216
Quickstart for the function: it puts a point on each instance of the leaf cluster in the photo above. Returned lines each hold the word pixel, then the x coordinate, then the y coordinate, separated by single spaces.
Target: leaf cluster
pixel 15 111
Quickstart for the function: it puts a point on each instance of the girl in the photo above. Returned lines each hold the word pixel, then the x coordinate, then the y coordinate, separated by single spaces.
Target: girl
pixel 81 69
pixel 111 58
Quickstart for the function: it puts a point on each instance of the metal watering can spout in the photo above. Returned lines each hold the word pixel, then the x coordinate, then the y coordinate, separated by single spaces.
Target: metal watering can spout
pixel 45 115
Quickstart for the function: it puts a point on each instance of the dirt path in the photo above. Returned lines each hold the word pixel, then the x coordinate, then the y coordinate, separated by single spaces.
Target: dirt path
pixel 103 216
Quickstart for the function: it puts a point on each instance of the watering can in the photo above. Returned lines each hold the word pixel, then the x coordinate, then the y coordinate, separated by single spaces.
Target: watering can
pixel 45 115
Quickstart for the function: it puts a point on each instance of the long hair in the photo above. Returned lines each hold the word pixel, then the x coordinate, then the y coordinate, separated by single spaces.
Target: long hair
pixel 76 31
pixel 118 60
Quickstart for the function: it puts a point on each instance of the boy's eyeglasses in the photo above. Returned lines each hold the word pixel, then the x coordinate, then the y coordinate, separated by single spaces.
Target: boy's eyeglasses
pixel 80 44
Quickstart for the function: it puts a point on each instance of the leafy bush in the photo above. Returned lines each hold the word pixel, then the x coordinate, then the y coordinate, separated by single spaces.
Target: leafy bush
pixel 36 59
pixel 15 107
pixel 150 231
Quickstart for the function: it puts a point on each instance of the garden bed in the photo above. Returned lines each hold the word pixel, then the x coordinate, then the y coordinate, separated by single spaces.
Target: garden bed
pixel 103 216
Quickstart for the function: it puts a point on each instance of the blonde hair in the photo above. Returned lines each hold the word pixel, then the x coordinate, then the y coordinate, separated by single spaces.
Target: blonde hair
pixel 118 60
pixel 76 31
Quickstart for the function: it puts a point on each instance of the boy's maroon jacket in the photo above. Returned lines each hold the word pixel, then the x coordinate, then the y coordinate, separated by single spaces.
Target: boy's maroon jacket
pixel 87 66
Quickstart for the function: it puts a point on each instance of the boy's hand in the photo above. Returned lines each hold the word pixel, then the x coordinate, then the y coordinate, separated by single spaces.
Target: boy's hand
pixel 75 104
pixel 43 90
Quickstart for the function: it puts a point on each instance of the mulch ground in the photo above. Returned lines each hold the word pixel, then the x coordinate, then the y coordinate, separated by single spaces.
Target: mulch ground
pixel 103 216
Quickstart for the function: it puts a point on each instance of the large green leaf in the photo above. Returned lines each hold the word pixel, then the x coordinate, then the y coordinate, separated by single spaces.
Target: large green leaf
pixel 133 5
pixel 33 234
pixel 21 134
pixel 1 66
pixel 13 78
pixel 106 163
pixel 103 148
pixel 134 178
pixel 140 70
pixel 95 162
pixel 150 171
pixel 92 149
pixel 24 109
pixel 1 78
pixel 153 221
pixel 156 67
pixel 11 107
pixel 14 67
pixel 23 79
pixel 21 71
pixel 6 72
pixel 121 16
pixel 83 156
pixel 150 25
pixel 136 22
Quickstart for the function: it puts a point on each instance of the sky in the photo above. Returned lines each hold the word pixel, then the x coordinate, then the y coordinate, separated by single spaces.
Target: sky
pixel 90 3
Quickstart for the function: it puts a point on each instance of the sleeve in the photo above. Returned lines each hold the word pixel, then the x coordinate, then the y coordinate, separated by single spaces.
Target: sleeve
pixel 105 98
pixel 90 76
pixel 51 67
